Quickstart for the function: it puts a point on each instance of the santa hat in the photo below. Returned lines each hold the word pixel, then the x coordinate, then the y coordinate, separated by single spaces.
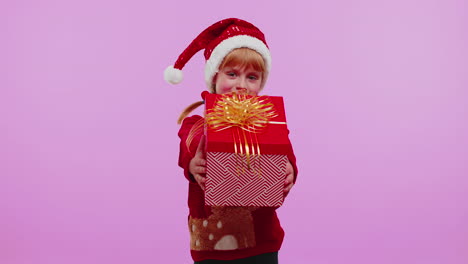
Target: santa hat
pixel 219 40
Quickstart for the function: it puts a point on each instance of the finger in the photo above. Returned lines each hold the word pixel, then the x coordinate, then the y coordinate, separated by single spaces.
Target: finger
pixel 200 170
pixel 200 162
pixel 200 180
pixel 202 183
pixel 288 188
pixel 199 176
pixel 289 178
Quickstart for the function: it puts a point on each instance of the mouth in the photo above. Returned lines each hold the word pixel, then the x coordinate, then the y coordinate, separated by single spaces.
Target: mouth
pixel 243 91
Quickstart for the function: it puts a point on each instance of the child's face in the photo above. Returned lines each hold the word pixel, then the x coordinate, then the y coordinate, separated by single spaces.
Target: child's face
pixel 236 79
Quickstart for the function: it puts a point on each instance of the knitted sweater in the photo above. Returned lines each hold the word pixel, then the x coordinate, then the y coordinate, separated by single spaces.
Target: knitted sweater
pixel 225 233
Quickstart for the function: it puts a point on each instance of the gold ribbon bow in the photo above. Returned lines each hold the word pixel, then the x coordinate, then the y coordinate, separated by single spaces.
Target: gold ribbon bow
pixel 247 115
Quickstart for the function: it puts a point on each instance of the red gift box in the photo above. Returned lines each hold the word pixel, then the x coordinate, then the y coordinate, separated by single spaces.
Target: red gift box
pixel 246 151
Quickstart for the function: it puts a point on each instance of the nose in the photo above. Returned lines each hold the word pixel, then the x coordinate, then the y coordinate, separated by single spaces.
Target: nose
pixel 241 85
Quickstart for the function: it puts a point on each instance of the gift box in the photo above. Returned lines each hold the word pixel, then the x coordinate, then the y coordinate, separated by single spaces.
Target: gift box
pixel 246 150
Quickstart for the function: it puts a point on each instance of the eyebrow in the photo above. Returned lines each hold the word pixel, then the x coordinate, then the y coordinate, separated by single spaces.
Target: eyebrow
pixel 230 68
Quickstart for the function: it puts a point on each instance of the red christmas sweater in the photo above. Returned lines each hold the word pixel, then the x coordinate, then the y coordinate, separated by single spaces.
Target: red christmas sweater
pixel 225 233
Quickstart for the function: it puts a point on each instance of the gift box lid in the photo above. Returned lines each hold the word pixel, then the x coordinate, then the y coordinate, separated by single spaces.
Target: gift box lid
pixel 272 138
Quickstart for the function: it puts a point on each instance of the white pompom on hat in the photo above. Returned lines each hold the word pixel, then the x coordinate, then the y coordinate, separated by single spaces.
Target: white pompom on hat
pixel 173 75
pixel 218 40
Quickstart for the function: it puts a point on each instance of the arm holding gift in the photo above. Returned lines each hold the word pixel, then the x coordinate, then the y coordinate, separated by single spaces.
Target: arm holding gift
pixel 197 166
pixel 291 171
pixel 289 181
pixel 190 135
pixel 192 156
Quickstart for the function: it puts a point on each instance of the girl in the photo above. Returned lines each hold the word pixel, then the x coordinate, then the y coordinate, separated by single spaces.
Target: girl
pixel 238 59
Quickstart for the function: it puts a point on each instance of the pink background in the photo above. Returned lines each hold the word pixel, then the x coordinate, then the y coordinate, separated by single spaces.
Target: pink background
pixel 376 98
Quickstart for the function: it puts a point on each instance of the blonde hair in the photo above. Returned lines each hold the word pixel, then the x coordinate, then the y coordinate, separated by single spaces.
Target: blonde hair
pixel 245 58
pixel 242 57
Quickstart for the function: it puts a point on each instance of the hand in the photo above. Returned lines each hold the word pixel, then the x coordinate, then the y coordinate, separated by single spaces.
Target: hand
pixel 288 182
pixel 197 166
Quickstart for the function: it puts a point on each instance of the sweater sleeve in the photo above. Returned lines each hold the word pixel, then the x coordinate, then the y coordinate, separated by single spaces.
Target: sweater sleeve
pixel 190 134
pixel 292 159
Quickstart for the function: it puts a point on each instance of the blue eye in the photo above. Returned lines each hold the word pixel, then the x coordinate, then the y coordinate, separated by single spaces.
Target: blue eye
pixel 231 74
pixel 253 77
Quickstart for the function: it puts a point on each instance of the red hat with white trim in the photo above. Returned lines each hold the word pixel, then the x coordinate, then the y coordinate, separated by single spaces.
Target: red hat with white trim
pixel 219 40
